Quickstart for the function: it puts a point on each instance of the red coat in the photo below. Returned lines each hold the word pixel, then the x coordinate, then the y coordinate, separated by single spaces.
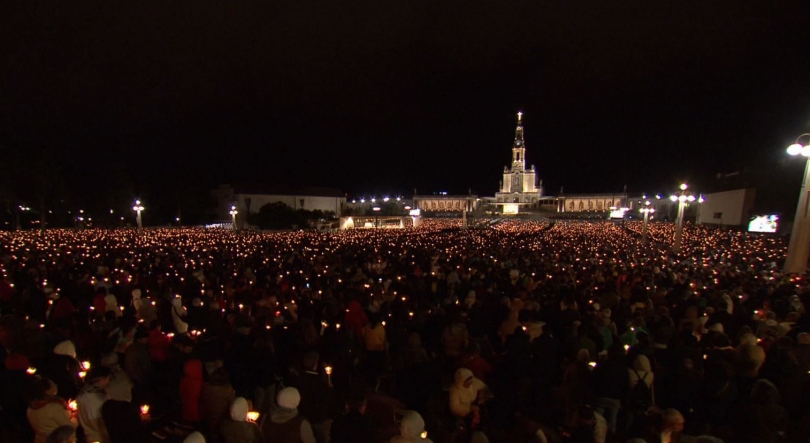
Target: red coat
pixel 355 319
pixel 158 345
pixel 190 388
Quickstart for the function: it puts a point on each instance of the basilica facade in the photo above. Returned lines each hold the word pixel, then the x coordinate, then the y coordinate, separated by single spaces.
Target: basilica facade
pixel 519 186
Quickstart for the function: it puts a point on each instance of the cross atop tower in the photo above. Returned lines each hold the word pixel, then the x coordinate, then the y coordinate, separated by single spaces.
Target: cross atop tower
pixel 520 114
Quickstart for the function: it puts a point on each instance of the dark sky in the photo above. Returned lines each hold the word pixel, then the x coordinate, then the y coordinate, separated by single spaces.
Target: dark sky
pixel 395 95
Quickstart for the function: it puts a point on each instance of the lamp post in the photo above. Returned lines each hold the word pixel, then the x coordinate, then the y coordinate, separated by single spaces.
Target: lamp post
pixel 796 260
pixel 646 210
pixel 138 208
pixel 376 210
pixel 682 198
pixel 233 213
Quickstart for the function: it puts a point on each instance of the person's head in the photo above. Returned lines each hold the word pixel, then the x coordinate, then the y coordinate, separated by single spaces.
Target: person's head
pixel 62 434
pixel 288 398
pixel 357 401
pixel 239 409
pixel 194 437
pixel 40 388
pixel 219 376
pixel 464 378
pixel 311 360
pixel 672 420
pixel 98 376
pixel 412 425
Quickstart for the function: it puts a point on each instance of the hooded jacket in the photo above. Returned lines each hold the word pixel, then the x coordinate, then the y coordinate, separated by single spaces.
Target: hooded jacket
pixel 461 397
pixel 190 390
pixel 90 400
pixel 641 369
pixel 45 416
pixel 410 429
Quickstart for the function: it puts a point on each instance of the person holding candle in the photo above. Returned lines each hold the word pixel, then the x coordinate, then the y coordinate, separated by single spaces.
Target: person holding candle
pixel 411 429
pixel 125 422
pixel 236 428
pixel 46 411
pixel 285 424
pixel 90 401
pixel 13 401
pixel 317 396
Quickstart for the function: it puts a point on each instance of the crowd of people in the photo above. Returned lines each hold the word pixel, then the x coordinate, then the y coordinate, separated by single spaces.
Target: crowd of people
pixel 524 331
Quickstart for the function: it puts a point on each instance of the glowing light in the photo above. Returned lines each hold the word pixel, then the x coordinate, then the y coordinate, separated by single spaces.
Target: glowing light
pixel 144 409
pixel 252 416
pixel 795 149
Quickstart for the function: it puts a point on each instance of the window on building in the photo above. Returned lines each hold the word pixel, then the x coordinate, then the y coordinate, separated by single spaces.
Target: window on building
pixel 717 215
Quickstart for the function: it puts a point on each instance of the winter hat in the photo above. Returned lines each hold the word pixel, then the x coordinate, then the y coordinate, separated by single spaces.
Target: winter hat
pixel 65 348
pixel 17 362
pixel 412 425
pixel 288 398
pixel 239 409
pixel 194 437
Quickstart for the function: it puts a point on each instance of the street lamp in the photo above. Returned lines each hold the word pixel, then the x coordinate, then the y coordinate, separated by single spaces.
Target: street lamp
pixel 796 260
pixel 233 213
pixel 646 210
pixel 138 208
pixel 682 198
pixel 376 210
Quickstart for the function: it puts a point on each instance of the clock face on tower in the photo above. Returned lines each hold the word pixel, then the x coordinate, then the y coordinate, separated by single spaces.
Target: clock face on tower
pixel 518 143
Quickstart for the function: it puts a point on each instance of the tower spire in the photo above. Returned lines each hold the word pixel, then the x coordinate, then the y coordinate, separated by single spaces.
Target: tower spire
pixel 518 146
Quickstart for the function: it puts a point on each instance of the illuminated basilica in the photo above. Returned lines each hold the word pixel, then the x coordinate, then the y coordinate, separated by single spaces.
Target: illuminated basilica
pixel 519 186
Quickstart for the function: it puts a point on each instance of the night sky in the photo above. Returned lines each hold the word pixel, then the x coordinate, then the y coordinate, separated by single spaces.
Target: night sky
pixel 389 96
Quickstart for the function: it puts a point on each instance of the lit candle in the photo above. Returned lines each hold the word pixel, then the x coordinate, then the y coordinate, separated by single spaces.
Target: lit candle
pixel 73 406
pixel 82 374
pixel 31 370
pixel 144 409
pixel 328 370
pixel 424 435
pixel 86 365
pixel 252 416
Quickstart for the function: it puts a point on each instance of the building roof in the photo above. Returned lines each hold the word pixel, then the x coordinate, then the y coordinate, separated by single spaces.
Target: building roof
pixel 276 189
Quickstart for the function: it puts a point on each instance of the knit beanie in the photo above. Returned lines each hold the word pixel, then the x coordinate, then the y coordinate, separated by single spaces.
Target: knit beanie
pixel 194 437
pixel 65 348
pixel 239 409
pixel 289 398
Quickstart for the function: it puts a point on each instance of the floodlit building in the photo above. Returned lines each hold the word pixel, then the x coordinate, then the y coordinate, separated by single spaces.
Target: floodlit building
pixel 519 186
pixel 249 198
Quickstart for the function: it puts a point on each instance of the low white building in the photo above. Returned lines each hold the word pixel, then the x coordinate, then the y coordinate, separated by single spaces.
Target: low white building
pixel 249 198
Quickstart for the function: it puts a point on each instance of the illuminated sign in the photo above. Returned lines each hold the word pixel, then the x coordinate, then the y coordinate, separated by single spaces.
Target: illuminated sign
pixel 617 212
pixel 415 212
pixel 763 223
